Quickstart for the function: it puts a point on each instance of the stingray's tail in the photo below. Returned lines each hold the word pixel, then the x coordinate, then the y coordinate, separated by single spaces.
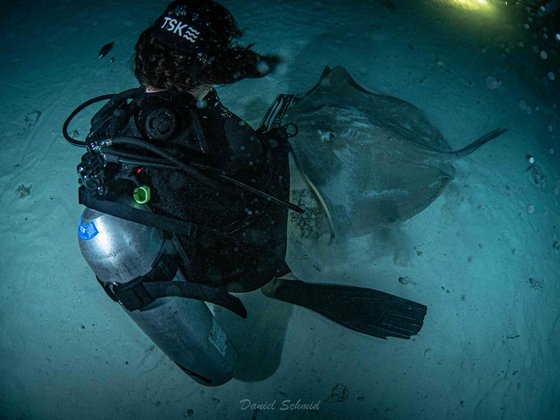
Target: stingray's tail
pixel 477 143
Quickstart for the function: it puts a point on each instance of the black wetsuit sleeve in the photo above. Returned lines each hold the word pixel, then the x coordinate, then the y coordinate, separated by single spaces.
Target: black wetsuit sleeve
pixel 233 144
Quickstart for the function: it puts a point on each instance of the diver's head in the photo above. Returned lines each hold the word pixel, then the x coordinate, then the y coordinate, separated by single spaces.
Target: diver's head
pixel 193 43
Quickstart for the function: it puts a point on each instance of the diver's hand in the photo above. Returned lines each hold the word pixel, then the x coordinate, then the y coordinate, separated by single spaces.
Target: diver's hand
pixel 91 172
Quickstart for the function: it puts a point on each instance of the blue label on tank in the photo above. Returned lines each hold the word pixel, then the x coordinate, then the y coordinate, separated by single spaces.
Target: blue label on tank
pixel 87 231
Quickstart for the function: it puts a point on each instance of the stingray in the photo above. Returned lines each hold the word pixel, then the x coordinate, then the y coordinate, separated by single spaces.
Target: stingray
pixel 371 159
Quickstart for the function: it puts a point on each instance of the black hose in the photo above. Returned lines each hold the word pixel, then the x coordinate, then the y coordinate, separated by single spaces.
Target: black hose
pixel 254 190
pixel 196 174
pixel 135 159
pixel 165 154
pixel 81 107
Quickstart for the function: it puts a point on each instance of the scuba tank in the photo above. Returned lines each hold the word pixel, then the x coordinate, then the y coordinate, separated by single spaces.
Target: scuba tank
pixel 118 251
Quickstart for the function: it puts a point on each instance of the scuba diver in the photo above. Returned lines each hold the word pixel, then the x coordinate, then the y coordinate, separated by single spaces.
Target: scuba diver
pixel 186 203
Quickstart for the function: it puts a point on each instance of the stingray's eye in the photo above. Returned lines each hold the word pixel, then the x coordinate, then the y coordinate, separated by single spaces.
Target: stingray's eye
pixel 326 136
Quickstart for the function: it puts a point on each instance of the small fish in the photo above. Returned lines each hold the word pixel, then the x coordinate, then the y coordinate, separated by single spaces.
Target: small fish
pixel 105 49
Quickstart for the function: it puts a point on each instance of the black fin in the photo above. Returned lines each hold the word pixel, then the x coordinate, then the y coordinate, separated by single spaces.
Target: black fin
pixel 368 311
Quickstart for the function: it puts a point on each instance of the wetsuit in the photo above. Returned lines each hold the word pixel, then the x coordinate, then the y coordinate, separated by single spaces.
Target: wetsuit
pixel 238 239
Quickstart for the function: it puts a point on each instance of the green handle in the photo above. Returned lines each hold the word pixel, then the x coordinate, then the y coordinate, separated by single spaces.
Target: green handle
pixel 142 194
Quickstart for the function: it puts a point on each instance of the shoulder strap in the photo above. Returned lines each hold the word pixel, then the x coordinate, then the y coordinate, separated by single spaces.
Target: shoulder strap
pixel 104 116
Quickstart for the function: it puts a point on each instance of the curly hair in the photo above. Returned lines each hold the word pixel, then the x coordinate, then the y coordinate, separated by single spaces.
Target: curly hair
pixel 224 62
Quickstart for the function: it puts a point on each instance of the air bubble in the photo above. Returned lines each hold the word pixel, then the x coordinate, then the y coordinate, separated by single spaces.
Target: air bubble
pixel 263 67
pixel 530 209
pixel 493 82
pixel 524 107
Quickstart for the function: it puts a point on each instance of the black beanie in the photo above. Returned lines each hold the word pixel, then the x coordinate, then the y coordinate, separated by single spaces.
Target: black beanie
pixel 198 27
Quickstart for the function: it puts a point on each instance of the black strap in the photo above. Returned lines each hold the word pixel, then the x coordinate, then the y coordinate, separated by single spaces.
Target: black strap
pixel 158 283
pixel 199 133
pixel 133 214
pixel 145 217
pixel 138 293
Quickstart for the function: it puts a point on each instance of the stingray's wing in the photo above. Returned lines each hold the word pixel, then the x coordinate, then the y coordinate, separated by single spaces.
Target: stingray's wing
pixel 336 87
